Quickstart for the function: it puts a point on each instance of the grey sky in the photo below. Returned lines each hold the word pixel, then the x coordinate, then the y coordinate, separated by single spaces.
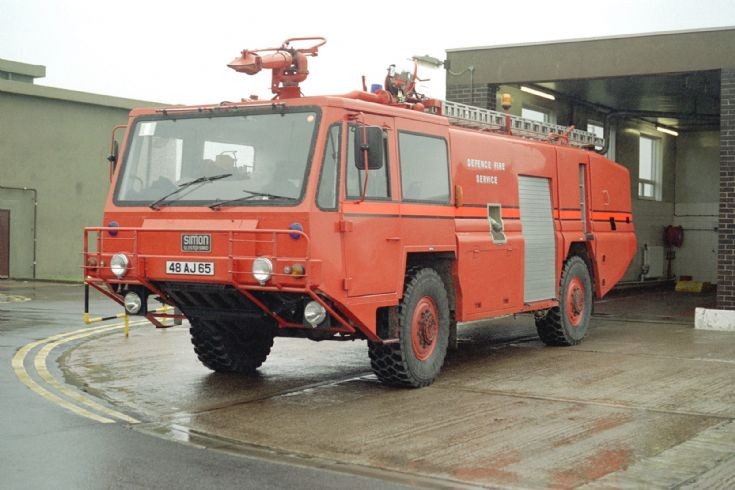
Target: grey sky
pixel 173 51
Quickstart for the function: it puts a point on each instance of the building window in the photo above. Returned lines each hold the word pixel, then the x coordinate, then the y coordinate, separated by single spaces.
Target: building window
pixel 598 130
pixel 649 168
pixel 537 114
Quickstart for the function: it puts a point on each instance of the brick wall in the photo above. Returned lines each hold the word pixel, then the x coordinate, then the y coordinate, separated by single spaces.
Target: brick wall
pixel 726 253
pixel 484 96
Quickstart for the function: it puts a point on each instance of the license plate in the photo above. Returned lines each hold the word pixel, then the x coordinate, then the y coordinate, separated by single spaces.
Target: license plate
pixel 190 268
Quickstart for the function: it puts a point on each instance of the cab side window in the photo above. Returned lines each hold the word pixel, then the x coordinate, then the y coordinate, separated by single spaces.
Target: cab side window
pixel 326 197
pixel 378 185
pixel 424 168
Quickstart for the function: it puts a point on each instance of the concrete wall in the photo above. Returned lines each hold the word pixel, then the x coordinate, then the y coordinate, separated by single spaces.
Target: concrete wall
pixel 58 148
pixel 596 58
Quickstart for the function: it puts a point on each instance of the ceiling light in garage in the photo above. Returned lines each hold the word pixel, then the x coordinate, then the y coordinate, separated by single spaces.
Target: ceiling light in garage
pixel 537 92
pixel 667 131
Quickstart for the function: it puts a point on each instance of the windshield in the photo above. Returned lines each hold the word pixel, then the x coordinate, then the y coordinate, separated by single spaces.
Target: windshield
pixel 265 153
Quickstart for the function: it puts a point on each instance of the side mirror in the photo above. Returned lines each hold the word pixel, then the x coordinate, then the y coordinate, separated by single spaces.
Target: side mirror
pixel 369 138
pixel 114 150
pixel 112 158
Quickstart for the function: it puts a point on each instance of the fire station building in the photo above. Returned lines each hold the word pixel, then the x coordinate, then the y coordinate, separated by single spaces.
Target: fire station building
pixel 665 103
pixel 53 171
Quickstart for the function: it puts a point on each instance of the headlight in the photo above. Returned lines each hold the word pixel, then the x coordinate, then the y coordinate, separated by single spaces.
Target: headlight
pixel 119 265
pixel 262 269
pixel 314 313
pixel 133 303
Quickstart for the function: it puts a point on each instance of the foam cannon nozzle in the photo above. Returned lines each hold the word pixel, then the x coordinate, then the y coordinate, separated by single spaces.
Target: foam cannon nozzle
pixel 288 64
pixel 251 63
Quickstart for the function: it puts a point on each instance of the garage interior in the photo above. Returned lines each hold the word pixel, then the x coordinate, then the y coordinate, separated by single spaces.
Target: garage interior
pixel 662 103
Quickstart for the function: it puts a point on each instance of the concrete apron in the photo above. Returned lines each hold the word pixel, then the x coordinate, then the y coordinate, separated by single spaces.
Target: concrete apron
pixel 636 405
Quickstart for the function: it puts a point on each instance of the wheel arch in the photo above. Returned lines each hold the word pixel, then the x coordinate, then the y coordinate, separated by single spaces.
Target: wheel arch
pixel 584 251
pixel 443 264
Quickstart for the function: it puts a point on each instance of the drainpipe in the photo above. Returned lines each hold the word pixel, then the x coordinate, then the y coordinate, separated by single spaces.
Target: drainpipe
pixel 470 69
pixel 35 217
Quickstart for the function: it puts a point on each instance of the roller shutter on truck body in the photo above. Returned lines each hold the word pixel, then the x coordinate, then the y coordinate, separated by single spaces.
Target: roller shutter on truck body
pixel 539 278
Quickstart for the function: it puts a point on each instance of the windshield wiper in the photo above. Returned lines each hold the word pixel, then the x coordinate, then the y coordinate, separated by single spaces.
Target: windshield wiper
pixel 253 194
pixel 157 203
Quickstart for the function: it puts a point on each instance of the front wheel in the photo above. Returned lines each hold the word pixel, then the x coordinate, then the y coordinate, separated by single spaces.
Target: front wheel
pixel 423 330
pixel 229 346
pixel 568 323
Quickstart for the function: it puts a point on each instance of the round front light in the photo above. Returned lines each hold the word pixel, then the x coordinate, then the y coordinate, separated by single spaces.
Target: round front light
pixel 262 269
pixel 314 313
pixel 119 264
pixel 133 303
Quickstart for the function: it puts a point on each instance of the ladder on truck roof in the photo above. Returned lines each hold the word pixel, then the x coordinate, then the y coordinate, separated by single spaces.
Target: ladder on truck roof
pixel 479 118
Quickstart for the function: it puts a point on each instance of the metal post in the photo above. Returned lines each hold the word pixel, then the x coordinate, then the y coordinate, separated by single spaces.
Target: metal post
pixel 165 312
pixel 86 303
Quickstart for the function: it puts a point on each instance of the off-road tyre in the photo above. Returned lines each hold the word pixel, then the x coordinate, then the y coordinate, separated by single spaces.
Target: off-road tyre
pixel 423 334
pixel 227 346
pixel 568 323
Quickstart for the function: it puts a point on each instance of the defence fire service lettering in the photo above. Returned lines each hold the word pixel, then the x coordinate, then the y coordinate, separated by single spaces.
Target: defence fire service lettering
pixel 474 163
pixel 486 179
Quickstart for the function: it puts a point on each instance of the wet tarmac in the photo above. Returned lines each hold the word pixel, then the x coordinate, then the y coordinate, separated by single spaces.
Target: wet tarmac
pixel 45 445
pixel 645 401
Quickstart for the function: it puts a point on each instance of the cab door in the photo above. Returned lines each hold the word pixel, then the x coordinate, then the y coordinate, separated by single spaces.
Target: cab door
pixel 369 223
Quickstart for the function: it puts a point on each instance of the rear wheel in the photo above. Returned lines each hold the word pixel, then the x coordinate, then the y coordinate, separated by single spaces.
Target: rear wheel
pixel 423 331
pixel 229 346
pixel 568 323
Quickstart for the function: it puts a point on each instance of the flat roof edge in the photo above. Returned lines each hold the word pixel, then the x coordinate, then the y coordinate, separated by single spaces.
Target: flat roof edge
pixel 589 39
pixel 18 68
pixel 33 90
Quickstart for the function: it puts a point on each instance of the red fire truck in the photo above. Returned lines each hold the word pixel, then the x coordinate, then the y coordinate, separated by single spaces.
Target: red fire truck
pixel 381 216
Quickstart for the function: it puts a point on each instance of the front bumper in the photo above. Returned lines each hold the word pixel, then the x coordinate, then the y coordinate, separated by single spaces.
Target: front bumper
pixel 232 254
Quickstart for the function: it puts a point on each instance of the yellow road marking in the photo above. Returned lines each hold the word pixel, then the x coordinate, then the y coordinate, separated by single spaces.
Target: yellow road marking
pixel 40 365
pixel 25 378
pixel 18 362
